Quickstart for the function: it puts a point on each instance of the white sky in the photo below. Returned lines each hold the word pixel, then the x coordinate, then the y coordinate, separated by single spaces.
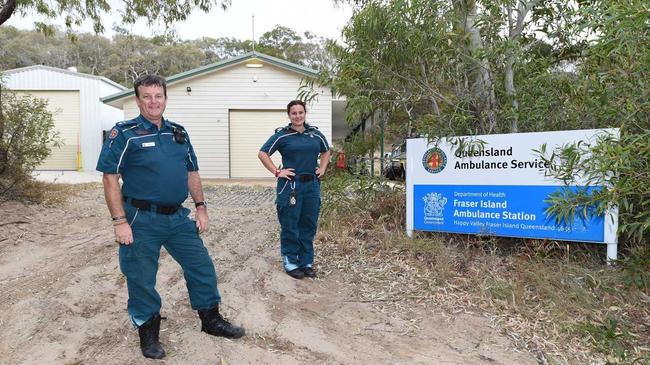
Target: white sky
pixel 320 17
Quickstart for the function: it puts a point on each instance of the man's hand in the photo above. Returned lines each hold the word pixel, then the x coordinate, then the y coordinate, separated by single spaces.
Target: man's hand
pixel 202 219
pixel 123 234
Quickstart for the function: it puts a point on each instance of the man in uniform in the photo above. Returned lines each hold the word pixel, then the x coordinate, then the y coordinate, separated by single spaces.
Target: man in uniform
pixel 157 164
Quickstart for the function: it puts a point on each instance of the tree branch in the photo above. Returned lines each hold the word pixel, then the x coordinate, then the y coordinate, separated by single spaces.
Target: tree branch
pixel 7 10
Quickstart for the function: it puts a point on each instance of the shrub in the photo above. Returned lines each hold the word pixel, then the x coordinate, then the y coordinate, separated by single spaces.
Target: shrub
pixel 26 135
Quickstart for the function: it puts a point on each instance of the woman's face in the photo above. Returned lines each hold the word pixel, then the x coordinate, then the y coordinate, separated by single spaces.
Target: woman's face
pixel 297 115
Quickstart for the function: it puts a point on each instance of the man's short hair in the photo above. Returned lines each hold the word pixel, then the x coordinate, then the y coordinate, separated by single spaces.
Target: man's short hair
pixel 150 80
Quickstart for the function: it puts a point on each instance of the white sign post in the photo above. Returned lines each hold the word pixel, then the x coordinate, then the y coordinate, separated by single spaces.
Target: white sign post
pixel 499 189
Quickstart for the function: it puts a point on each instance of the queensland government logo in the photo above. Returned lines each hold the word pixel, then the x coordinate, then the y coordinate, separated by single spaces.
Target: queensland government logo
pixel 434 206
pixel 434 160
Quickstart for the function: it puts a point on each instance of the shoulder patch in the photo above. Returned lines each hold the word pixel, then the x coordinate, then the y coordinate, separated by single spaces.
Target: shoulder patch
pixel 113 134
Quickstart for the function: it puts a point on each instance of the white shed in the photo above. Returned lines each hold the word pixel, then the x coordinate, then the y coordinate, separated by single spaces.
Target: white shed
pixel 79 115
pixel 231 107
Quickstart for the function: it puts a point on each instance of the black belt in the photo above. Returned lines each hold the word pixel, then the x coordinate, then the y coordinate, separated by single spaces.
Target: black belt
pixel 306 177
pixel 145 205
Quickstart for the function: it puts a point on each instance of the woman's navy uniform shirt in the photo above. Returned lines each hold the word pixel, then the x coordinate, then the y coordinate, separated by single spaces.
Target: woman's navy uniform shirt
pixel 299 150
pixel 153 165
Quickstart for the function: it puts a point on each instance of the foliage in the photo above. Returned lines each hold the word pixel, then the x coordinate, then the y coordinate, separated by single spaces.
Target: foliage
pixel 76 12
pixel 620 167
pixel 26 136
pixel 456 67
pixel 344 194
pixel 613 90
pixel 285 43
pixel 125 57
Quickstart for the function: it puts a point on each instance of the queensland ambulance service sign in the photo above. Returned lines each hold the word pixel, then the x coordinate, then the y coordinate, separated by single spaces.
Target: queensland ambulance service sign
pixel 497 189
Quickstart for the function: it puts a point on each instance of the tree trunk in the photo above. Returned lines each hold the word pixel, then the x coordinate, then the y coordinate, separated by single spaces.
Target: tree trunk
pixel 510 74
pixel 483 83
pixel 515 28
pixel 7 10
pixel 3 150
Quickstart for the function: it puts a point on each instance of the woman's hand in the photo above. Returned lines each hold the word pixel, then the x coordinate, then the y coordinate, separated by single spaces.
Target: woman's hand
pixel 286 173
pixel 320 171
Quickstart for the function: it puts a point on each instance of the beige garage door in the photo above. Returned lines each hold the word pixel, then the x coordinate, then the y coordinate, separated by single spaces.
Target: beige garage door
pixel 249 129
pixel 64 105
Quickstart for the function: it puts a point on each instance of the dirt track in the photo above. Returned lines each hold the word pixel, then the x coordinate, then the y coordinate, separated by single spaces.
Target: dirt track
pixel 63 298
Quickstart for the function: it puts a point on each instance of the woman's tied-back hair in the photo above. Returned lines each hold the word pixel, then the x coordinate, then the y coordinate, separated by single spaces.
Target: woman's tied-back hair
pixel 296 102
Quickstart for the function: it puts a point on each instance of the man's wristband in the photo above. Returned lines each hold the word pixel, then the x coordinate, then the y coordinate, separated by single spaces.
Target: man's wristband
pixel 118 217
pixel 201 204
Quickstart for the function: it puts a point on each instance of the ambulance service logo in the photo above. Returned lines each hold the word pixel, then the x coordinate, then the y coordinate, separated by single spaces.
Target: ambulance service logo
pixel 434 160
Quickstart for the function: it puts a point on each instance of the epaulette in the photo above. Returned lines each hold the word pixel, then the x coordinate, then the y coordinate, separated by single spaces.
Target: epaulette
pixel 176 125
pixel 126 123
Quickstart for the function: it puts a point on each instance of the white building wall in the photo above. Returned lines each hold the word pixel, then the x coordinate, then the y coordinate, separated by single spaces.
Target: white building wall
pixel 204 111
pixel 109 115
pixel 93 112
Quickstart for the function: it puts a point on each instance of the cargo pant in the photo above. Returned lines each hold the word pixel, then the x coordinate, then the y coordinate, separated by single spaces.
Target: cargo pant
pixel 298 223
pixel 139 261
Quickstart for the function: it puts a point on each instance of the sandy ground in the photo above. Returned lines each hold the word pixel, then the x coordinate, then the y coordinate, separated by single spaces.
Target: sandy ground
pixel 63 298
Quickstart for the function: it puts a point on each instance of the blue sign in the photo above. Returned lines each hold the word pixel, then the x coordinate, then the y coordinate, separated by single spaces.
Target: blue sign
pixel 501 210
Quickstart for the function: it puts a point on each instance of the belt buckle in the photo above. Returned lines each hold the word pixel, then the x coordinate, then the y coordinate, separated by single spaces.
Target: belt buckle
pixel 167 210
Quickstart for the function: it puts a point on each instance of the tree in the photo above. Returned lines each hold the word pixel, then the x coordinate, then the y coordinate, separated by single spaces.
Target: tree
pixel 285 43
pixel 612 88
pixel 459 67
pixel 222 48
pixel 75 12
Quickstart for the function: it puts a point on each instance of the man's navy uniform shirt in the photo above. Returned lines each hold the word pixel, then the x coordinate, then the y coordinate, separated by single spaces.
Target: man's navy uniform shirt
pixel 154 167
pixel 299 150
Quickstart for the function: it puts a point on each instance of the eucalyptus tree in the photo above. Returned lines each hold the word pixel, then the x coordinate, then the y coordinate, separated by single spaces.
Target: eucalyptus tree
pixel 287 44
pixel 460 55
pixel 454 67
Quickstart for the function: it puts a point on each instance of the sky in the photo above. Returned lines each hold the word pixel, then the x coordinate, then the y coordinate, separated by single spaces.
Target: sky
pixel 320 17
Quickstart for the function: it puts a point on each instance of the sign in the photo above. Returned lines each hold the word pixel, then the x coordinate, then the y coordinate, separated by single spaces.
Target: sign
pixel 498 187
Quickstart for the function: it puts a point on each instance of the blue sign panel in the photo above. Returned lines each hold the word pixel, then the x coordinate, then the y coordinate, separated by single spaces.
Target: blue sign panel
pixel 501 210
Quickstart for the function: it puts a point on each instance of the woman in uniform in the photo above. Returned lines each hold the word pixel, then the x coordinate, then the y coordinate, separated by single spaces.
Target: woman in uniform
pixel 298 187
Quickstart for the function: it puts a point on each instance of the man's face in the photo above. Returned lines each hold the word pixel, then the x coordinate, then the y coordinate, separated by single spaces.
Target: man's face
pixel 151 101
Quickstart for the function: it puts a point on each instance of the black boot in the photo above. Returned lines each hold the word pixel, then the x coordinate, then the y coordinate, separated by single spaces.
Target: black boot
pixel 214 324
pixel 308 272
pixel 149 343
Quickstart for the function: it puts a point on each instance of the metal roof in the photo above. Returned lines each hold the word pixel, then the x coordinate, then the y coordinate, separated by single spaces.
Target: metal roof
pixel 219 65
pixel 68 72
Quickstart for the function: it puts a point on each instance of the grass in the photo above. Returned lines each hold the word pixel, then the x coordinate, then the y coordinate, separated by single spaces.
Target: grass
pixel 49 194
pixel 556 300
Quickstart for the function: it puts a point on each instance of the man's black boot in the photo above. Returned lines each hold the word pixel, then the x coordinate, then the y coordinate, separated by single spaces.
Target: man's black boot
pixel 214 324
pixel 149 343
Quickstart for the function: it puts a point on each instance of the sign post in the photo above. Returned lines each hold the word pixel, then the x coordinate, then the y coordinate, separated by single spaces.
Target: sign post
pixel 499 189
